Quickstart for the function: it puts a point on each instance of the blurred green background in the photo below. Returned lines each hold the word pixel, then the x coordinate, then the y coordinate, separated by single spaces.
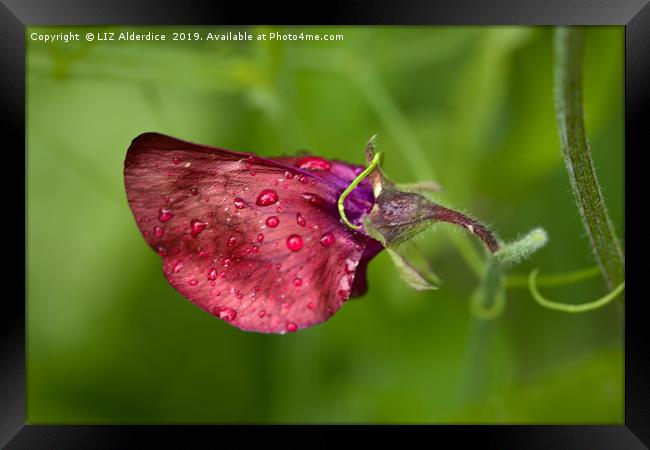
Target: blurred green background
pixel 110 341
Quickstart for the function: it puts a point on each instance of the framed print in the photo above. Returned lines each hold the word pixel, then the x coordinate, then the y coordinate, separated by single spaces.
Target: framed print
pixel 396 216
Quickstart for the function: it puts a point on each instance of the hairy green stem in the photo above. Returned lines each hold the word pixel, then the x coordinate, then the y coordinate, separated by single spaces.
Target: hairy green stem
pixel 569 45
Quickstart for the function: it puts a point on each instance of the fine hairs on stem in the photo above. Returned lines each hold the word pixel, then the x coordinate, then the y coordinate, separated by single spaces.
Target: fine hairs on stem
pixel 569 46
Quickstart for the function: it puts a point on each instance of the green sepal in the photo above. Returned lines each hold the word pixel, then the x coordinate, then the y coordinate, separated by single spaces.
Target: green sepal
pixel 409 274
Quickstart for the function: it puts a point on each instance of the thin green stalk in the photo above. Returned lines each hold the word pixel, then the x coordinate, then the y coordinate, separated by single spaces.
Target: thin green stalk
pixel 571 308
pixel 375 161
pixel 569 45
pixel 516 280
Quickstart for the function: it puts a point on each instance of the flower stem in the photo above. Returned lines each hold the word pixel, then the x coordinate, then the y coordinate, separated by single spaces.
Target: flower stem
pixel 569 45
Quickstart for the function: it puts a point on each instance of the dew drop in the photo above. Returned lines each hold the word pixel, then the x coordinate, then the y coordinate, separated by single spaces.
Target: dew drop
pixel 194 191
pixel 196 226
pixel 262 313
pixel 300 219
pixel 255 249
pixel 178 267
pixel 240 203
pixel 288 175
pixel 312 199
pixel 303 179
pixel 311 305
pixel 226 314
pixel 176 161
pixel 294 242
pixel 194 282
pixel 212 274
pixel 260 238
pixel 165 214
pixel 267 197
pixel 232 240
pixel 327 239
pixel 272 221
pixel 291 327
pixel 297 282
pixel 225 262
pixel 158 232
pixel 313 163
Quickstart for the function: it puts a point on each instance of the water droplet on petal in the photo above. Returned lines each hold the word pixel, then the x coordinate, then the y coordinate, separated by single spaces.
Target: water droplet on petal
pixel 288 175
pixel 196 226
pixel 255 249
pixel 267 197
pixel 225 262
pixel 165 214
pixel 194 191
pixel 294 242
pixel 272 221
pixel 232 240
pixel 260 238
pixel 158 232
pixel 313 163
pixel 240 203
pixel 212 274
pixel 300 219
pixel 262 313
pixel 194 282
pixel 226 314
pixel 311 305
pixel 176 161
pixel 291 327
pixel 312 199
pixel 178 267
pixel 327 239
pixel 297 282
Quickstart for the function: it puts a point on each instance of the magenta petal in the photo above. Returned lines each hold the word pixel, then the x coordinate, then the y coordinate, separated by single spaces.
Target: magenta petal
pixel 234 249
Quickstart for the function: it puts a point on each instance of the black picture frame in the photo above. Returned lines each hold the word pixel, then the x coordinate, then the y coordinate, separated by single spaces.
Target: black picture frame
pixel 15 15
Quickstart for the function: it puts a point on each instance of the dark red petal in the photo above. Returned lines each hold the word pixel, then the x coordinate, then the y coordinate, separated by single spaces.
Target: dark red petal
pixel 198 207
